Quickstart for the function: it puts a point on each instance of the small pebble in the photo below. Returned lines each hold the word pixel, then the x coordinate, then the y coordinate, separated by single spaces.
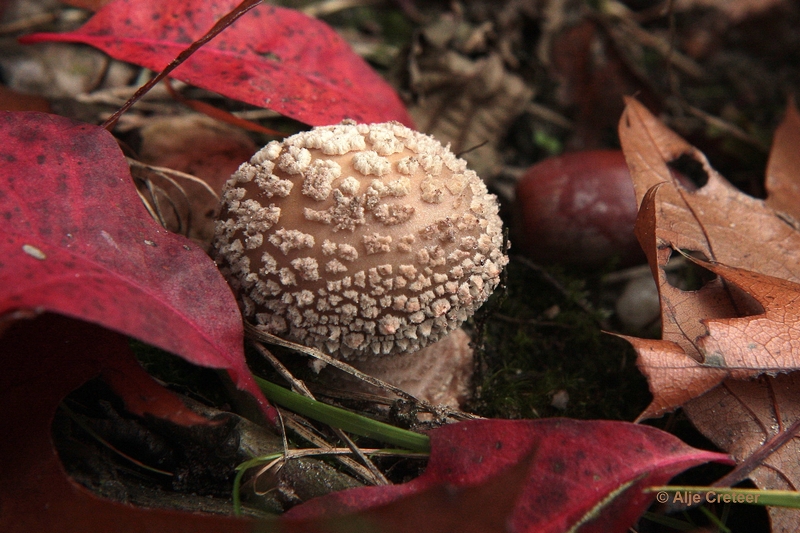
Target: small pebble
pixel 560 400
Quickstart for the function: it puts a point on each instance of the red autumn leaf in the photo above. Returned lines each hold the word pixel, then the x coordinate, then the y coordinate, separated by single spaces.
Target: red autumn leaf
pixel 43 360
pixel 435 509
pixel 53 355
pixel 271 57
pixel 579 473
pixel 77 241
pixel 543 475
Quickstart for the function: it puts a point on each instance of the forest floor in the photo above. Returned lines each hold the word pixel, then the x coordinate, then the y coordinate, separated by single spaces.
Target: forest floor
pixel 508 84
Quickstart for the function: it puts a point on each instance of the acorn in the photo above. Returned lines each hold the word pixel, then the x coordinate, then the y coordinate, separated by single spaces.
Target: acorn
pixel 578 209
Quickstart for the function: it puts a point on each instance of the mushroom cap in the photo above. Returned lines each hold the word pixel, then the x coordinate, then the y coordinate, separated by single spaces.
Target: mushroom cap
pixel 359 239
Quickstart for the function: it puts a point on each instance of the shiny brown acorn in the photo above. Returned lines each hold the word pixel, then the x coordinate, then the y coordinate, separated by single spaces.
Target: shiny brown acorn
pixel 578 209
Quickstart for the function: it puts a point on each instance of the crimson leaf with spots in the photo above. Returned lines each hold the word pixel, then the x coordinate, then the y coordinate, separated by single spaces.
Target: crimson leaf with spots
pixel 271 57
pixel 579 474
pixel 43 360
pixel 77 241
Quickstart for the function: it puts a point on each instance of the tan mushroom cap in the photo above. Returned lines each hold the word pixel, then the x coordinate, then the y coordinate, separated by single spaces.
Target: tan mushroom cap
pixel 359 239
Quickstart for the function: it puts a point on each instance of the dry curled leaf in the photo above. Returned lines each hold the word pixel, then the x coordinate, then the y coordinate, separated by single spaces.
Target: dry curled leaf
pixel 762 254
pixel 766 342
pixel 783 178
pixel 466 102
pixel 197 145
pixel 740 325
pixel 753 421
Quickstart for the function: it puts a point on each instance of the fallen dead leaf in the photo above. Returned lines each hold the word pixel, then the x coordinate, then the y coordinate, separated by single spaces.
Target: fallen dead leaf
pixel 748 417
pixel 767 342
pixel 11 100
pixel 739 326
pixel 783 178
pixel 593 76
pixel 202 147
pixel 727 227
pixel 736 10
pixel 466 102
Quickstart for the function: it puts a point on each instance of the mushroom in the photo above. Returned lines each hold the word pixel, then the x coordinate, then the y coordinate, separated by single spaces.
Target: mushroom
pixel 359 239
pixel 440 373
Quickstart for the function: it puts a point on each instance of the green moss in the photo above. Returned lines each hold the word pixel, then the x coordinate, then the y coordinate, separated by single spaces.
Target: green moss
pixel 537 341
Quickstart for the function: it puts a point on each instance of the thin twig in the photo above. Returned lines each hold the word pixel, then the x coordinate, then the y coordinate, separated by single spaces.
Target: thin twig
pixel 83 425
pixel 156 191
pixel 731 129
pixel 220 25
pixel 177 173
pixel 665 48
pixel 328 7
pixel 757 458
pixel 530 321
pixel 298 425
pixel 377 477
pixel 548 115
pixel 147 206
pixel 297 385
pixel 26 24
pixel 341 395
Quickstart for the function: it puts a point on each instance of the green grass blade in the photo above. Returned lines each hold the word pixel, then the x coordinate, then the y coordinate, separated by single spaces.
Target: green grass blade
pixel 344 420
pixel 674 523
pixel 237 481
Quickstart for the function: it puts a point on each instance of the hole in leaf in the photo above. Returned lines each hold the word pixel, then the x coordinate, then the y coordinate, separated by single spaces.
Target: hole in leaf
pixel 690 168
pixel 686 275
pixel 102 448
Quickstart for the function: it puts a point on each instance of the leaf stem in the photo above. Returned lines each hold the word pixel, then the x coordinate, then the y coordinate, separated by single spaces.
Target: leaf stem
pixel 220 25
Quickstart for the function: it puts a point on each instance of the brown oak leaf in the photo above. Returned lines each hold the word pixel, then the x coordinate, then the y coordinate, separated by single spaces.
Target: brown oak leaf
pixel 729 349
pixel 783 178
pixel 752 295
pixel 768 342
pixel 756 421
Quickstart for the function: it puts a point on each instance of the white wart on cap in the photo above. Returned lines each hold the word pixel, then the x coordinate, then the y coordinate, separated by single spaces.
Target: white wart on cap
pixel 359 239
